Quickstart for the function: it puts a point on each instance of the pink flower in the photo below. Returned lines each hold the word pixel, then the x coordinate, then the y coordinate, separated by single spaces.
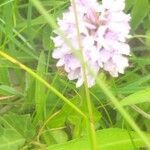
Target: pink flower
pixel 103 32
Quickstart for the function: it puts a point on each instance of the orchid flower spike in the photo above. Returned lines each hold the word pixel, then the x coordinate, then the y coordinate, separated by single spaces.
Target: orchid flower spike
pixel 104 28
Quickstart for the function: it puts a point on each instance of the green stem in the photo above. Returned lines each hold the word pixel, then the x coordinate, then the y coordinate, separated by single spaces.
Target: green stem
pixel 91 127
pixel 90 121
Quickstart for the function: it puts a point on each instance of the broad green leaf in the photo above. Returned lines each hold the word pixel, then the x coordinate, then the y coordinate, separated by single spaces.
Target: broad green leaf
pixel 15 130
pixel 59 136
pixel 140 10
pixel 138 97
pixel 107 139
pixel 29 93
pixel 21 123
pixel 10 138
pixel 40 90
pixel 47 43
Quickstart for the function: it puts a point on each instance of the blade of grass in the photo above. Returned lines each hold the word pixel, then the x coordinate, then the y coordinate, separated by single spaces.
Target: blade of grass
pixel 36 76
pixel 126 116
pixel 40 91
pixel 29 18
pixel 8 17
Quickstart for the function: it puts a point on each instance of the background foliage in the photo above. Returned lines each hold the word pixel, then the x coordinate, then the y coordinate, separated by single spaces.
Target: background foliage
pixel 34 117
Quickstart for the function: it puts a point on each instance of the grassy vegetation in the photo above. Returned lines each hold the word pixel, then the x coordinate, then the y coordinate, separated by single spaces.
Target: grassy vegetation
pixel 41 109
